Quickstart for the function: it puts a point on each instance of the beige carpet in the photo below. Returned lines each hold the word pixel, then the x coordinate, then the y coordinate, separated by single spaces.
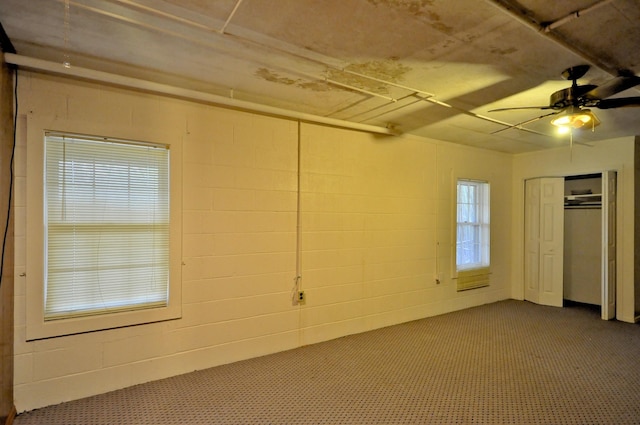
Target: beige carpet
pixel 510 362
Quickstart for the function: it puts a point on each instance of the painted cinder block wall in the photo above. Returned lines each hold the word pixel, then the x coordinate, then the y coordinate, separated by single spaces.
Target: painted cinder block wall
pixel 376 228
pixel 6 290
pixel 378 219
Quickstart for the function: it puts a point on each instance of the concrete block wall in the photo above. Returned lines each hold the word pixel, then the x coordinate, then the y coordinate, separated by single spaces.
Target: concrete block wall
pixel 376 229
pixel 368 230
pixel 7 251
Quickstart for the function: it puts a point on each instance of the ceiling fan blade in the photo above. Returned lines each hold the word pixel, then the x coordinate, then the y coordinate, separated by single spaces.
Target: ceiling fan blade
pixel 612 87
pixel 529 121
pixel 521 107
pixel 623 102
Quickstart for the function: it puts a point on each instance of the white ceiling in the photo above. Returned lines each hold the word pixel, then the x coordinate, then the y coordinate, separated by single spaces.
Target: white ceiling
pixel 432 68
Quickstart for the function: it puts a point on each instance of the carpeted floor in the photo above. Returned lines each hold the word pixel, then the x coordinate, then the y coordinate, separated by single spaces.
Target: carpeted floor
pixel 510 362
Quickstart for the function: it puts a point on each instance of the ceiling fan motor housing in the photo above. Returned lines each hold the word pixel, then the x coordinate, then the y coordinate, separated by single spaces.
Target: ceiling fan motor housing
pixel 571 96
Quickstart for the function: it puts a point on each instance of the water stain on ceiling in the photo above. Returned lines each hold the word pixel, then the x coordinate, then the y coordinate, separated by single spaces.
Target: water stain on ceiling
pixel 355 75
pixel 274 77
pixel 415 7
pixel 390 70
pixel 419 9
pixel 503 52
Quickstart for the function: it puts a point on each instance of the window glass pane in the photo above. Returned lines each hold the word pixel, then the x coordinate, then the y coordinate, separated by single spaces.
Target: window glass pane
pixel 472 240
pixel 107 226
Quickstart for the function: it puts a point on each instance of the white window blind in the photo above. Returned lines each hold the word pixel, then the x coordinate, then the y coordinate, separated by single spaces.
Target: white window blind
pixel 472 234
pixel 107 226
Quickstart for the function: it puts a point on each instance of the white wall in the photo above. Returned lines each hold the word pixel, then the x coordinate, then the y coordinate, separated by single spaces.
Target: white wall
pixel 604 155
pixel 376 216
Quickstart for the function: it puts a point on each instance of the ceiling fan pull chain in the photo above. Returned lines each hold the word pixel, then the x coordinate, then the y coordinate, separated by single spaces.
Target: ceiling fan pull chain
pixel 571 145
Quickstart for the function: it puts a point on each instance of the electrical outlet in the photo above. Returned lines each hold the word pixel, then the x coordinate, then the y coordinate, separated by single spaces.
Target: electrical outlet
pixel 301 297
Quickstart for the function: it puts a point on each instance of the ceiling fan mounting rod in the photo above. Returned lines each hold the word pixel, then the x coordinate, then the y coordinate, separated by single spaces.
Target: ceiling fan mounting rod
pixel 573 15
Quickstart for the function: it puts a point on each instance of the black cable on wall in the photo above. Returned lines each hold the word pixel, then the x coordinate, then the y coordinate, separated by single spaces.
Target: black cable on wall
pixel 13 152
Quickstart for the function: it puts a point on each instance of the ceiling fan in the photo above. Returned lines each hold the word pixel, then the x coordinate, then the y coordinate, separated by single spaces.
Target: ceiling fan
pixel 571 104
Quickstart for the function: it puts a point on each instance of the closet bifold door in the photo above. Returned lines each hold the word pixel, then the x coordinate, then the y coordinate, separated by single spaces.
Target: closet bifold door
pixel 609 184
pixel 544 240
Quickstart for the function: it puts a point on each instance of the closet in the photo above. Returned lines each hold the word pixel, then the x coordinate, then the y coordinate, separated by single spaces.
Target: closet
pixel 570 240
pixel 582 239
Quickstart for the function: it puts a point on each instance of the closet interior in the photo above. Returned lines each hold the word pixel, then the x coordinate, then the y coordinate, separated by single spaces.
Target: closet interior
pixel 582 271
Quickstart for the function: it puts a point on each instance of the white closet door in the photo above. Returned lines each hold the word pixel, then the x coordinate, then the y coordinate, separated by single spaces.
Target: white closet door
pixel 608 245
pixel 532 240
pixel 544 238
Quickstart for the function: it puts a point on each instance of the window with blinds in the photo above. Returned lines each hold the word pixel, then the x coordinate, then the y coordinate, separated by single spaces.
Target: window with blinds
pixel 106 226
pixel 472 234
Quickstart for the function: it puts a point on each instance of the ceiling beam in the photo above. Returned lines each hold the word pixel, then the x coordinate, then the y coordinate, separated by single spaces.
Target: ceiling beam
pixel 527 17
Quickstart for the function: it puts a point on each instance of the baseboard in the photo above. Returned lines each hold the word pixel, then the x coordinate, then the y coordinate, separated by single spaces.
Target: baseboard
pixel 11 417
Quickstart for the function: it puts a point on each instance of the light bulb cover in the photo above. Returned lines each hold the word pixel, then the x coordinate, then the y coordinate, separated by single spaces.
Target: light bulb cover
pixel 576 118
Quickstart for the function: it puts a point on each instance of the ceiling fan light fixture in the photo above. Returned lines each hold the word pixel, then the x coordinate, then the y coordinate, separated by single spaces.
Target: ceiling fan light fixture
pixel 576 119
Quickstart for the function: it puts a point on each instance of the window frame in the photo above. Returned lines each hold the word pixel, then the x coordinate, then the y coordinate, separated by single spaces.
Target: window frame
pixel 36 325
pixel 483 224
